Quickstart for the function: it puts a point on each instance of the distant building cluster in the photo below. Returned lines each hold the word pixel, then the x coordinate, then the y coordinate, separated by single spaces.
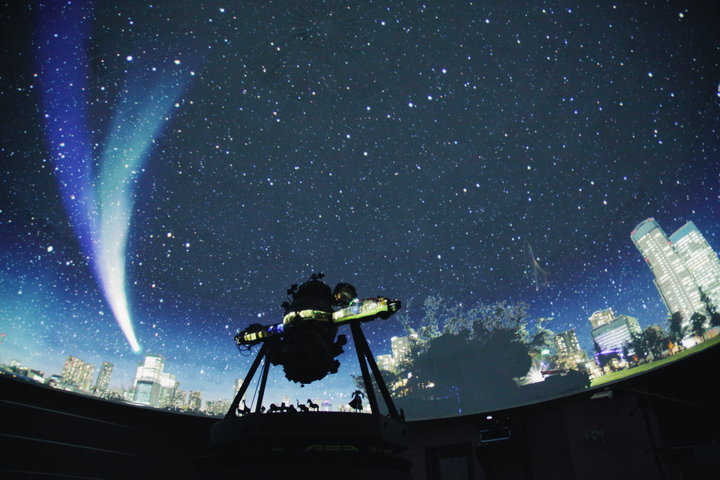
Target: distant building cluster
pixel 77 376
pixel 18 368
pixel 687 276
pixel 217 408
pixel 400 347
pixel 686 273
pixel 152 386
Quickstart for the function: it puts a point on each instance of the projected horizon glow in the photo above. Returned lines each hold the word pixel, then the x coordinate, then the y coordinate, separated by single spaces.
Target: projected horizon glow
pixel 171 168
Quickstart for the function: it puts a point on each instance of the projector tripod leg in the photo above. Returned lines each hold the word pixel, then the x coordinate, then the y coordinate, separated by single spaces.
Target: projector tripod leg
pixel 362 359
pixel 232 412
pixel 365 355
pixel 263 382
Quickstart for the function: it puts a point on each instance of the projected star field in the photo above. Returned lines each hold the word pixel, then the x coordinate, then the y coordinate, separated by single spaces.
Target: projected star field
pixel 170 168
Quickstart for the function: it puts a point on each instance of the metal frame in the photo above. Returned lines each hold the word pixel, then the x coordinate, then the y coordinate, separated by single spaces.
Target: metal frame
pixel 365 358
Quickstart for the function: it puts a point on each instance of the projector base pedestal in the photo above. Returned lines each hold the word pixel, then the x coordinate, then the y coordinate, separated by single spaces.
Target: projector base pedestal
pixel 312 445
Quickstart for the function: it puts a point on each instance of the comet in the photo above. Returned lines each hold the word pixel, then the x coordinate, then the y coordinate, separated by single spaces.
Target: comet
pixel 97 186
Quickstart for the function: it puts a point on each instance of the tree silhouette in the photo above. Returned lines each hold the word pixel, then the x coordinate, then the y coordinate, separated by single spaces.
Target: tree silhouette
pixel 676 328
pixel 391 378
pixel 470 357
pixel 651 341
pixel 715 319
pixel 711 308
pixel 697 324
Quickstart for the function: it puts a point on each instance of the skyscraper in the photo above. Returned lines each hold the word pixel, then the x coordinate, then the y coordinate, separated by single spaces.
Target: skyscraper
pixel 179 398
pixel 400 348
pixel 103 378
pixel 567 343
pixel 168 386
pixel 674 278
pixel 615 335
pixel 217 407
pixel 386 362
pixel 151 367
pixel 194 402
pixel 700 259
pixel 152 385
pixel 569 354
pixel 77 374
pixel 146 392
pixel 602 317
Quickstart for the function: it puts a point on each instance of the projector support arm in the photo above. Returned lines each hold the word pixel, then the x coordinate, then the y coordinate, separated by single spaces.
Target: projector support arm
pixel 365 355
pixel 365 358
pixel 263 382
pixel 362 353
pixel 232 412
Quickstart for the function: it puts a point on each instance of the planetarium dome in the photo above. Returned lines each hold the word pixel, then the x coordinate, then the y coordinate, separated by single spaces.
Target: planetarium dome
pixel 537 184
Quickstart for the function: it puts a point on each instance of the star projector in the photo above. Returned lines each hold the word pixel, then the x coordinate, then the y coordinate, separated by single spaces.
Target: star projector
pixel 279 441
pixel 305 342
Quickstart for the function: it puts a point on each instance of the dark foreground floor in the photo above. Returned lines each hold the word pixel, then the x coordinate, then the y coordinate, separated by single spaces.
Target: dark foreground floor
pixel 664 424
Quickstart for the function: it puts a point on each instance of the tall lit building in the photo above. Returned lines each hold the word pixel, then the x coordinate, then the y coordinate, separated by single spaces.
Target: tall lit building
pixel 386 362
pixel 567 343
pixel 217 407
pixel 602 317
pixel 179 398
pixel 194 400
pixel 103 379
pixel 614 335
pixel 675 267
pixel 569 354
pixel 700 259
pixel 168 386
pixel 150 368
pixel 77 374
pixel 400 348
pixel 153 386
pixel 147 392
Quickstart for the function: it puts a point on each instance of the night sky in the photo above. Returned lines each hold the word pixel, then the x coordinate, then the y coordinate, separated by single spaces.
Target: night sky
pixel 188 161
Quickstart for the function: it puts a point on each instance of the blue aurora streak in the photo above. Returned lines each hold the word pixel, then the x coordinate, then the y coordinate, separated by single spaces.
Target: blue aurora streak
pixel 98 189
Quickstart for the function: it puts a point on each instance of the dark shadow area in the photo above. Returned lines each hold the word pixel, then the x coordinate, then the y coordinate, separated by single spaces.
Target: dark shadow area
pixel 660 425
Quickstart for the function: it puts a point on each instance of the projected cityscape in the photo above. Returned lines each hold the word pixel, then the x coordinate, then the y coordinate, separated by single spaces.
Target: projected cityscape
pixel 684 266
pixel 507 171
